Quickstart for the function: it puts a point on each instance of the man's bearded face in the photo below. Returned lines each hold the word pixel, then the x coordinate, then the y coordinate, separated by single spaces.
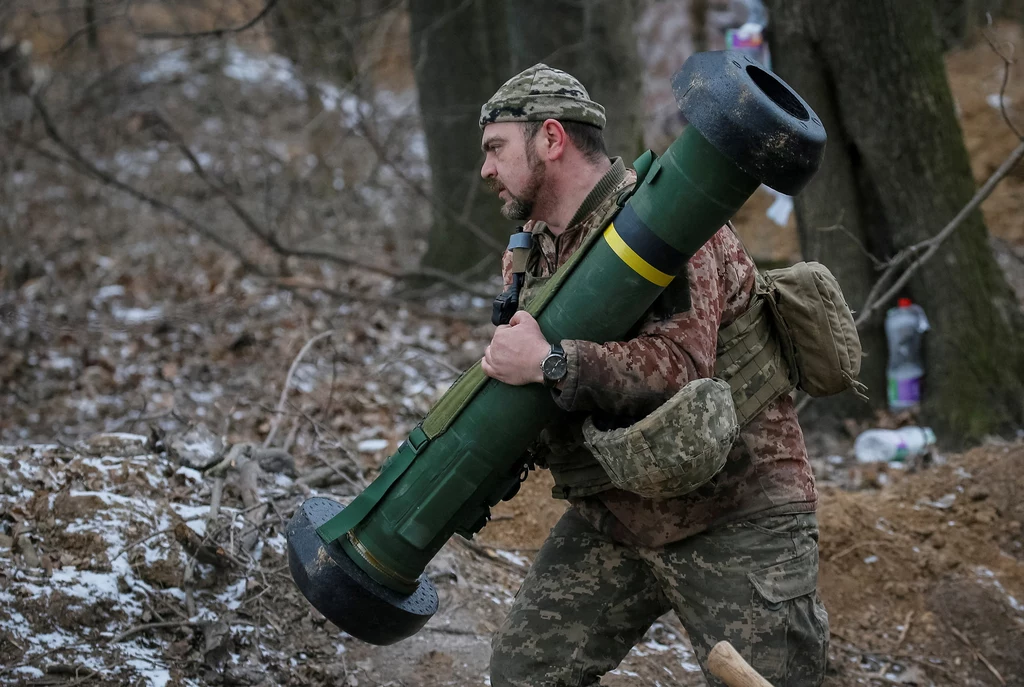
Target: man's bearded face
pixel 519 205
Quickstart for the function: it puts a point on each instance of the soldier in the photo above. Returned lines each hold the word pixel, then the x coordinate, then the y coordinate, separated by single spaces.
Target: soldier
pixel 737 557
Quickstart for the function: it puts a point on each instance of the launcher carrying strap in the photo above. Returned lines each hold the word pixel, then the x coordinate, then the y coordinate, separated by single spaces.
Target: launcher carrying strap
pixel 444 412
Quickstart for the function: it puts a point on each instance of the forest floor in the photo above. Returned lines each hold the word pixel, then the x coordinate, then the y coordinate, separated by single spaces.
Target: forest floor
pixel 123 338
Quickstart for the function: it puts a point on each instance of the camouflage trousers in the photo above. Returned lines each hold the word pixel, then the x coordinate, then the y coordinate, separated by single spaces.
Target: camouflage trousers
pixel 587 600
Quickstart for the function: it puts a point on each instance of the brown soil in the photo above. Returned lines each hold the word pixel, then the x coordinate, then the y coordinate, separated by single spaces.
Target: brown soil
pixel 902 577
pixel 523 523
pixel 915 592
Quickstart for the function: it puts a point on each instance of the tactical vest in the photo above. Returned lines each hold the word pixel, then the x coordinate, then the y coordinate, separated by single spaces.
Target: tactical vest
pixel 749 357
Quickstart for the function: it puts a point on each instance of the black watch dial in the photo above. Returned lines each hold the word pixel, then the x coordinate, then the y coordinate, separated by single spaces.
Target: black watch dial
pixel 555 366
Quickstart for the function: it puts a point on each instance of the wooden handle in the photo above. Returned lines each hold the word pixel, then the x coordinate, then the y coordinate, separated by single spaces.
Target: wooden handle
pixel 727 665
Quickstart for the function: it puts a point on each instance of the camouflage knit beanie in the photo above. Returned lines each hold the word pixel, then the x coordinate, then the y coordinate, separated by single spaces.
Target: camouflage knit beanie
pixel 542 92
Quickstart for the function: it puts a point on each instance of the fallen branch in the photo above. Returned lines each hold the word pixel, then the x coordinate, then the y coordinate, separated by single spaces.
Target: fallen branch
pixel 150 626
pixel 248 486
pixel 977 654
pixel 80 673
pixel 202 550
pixel 490 555
pixel 854 547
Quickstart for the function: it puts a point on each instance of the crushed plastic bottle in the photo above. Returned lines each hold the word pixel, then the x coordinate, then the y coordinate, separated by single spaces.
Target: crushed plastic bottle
pixel 892 445
pixel 904 326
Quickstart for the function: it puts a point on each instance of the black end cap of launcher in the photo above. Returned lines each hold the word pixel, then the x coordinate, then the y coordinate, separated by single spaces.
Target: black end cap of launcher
pixel 342 592
pixel 752 117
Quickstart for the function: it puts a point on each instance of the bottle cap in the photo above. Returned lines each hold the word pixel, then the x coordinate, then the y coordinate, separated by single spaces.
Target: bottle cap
pixel 904 303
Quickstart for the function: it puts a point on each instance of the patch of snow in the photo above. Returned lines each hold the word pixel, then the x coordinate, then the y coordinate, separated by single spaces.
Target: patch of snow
pixel 189 474
pixel 263 70
pixel 137 315
pixel 278 543
pixel 108 292
pixel 166 67
pixel 29 671
pixel 513 558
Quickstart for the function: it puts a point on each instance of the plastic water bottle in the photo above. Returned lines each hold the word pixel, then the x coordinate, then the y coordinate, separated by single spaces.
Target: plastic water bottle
pixel 904 326
pixel 884 445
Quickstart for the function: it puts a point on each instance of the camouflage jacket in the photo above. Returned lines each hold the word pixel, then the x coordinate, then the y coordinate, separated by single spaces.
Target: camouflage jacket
pixel 767 472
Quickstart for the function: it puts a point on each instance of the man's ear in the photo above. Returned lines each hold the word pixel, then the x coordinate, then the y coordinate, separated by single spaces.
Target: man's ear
pixel 555 139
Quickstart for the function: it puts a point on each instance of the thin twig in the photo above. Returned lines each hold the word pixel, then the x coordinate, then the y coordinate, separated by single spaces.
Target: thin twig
pixel 906 629
pixel 287 382
pixel 481 235
pixel 854 547
pixel 1007 63
pixel 840 227
pixel 211 517
pixel 489 555
pixel 129 547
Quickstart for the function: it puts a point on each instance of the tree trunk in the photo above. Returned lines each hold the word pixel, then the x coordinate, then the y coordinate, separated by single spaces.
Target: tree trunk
pixel 594 42
pixel 459 52
pixel 898 171
pixel 832 217
pixel 699 24
pixel 956 20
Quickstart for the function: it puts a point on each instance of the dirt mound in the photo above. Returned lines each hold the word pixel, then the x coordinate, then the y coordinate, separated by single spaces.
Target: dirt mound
pixel 923 579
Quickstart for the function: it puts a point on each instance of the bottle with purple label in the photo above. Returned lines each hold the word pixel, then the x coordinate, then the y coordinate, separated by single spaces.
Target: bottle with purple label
pixel 904 326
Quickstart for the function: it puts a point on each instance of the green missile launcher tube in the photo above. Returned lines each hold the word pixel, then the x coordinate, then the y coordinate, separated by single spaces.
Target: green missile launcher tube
pixel 363 565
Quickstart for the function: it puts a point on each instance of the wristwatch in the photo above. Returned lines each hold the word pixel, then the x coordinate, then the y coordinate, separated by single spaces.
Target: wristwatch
pixel 555 365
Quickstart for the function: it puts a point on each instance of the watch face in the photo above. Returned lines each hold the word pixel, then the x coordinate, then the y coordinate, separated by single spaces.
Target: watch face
pixel 554 366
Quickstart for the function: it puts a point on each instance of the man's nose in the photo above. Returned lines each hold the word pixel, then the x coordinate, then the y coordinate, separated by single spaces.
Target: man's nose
pixel 488 169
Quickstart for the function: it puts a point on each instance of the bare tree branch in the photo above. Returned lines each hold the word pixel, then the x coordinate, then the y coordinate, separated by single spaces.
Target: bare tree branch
pixel 874 301
pixel 458 219
pixel 272 242
pixel 91 169
pixel 213 33
pixel 936 241
pixel 82 164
